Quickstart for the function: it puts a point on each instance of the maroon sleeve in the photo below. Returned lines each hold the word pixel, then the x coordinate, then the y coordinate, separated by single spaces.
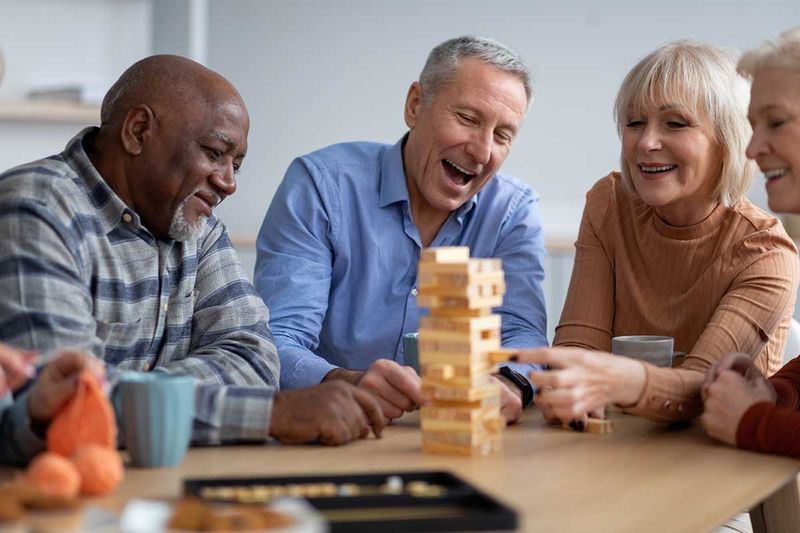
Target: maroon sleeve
pixel 787 384
pixel 769 428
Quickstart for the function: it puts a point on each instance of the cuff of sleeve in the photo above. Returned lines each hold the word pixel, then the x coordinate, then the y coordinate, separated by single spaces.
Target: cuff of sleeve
pixel 25 440
pixel 747 432
pixel 786 392
pixel 666 397
pixel 309 371
pixel 246 414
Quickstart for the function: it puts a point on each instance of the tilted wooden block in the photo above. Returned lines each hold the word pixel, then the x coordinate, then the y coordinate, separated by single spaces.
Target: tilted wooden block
pixel 445 254
pixel 501 355
pixel 489 402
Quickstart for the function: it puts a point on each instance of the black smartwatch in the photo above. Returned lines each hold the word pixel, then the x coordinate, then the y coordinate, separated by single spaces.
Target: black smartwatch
pixel 522 384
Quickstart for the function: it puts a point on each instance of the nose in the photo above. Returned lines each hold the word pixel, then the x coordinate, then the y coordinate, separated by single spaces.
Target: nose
pixel 650 141
pixel 479 148
pixel 757 145
pixel 225 180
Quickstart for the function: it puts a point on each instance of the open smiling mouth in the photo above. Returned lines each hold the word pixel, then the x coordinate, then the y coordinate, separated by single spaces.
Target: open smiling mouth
pixel 457 174
pixel 775 173
pixel 655 170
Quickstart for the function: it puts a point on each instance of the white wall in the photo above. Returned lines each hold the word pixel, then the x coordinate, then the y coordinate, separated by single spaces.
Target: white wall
pixel 48 42
pixel 315 72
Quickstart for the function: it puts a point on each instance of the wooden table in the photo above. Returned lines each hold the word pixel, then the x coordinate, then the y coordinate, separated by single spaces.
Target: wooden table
pixel 645 477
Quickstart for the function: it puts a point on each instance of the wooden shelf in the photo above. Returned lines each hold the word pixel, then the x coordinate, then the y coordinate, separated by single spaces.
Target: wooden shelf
pixel 48 111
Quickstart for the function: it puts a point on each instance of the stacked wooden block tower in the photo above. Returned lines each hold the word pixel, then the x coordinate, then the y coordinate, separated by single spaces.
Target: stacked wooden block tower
pixel 455 343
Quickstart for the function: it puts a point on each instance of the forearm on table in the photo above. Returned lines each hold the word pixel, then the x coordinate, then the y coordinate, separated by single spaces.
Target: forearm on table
pixel 669 394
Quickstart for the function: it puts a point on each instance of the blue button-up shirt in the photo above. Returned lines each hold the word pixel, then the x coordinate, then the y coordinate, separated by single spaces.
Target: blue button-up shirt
pixel 338 252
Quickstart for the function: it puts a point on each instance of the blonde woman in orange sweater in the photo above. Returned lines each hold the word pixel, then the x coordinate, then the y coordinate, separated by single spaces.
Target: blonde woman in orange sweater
pixel 670 246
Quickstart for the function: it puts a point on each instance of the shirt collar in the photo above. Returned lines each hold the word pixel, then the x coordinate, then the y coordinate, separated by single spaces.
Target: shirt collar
pixel 111 210
pixel 393 186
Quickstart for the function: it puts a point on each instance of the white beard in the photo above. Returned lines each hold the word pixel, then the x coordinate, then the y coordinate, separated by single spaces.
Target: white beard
pixel 180 229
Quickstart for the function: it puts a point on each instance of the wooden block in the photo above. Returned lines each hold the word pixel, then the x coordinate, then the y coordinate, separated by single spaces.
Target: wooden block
pixel 474 426
pixel 599 426
pixel 457 438
pixel 465 451
pixel 476 350
pixel 445 254
pixel 476 381
pixel 489 402
pixel 465 371
pixel 429 279
pixel 461 267
pixel 457 359
pixel 461 395
pixel 438 372
pixel 458 324
pixel 457 413
pixel 474 290
pixel 458 312
pixel 495 424
pixel 593 425
pixel 459 305
pixel 501 355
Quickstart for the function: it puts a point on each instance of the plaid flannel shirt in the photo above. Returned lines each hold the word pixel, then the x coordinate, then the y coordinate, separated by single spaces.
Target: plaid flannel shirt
pixel 78 270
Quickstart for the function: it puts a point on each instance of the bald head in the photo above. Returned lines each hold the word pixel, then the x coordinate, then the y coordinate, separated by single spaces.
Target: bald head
pixel 173 81
pixel 173 134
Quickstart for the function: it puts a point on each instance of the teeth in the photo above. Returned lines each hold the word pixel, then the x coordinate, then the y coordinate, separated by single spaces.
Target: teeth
pixel 657 169
pixel 775 173
pixel 460 169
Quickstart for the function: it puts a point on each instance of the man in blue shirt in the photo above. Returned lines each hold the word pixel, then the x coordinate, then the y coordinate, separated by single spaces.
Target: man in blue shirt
pixel 339 246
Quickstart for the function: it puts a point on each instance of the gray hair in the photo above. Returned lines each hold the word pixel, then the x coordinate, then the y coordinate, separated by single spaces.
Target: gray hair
pixel 783 52
pixel 444 60
pixel 703 80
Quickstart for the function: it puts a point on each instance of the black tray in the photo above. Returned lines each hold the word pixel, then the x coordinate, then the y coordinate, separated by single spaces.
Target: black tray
pixel 461 508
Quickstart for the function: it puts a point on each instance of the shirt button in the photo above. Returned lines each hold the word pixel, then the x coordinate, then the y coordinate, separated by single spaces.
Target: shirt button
pixel 166 307
pixel 414 291
pixel 127 217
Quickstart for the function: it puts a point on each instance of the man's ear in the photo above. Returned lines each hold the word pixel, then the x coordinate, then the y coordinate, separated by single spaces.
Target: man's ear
pixel 136 127
pixel 413 104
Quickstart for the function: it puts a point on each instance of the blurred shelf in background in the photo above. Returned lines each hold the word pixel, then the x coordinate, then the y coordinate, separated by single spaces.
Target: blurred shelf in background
pixel 48 111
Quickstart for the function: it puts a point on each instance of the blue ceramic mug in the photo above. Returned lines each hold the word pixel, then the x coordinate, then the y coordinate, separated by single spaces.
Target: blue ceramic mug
pixel 157 412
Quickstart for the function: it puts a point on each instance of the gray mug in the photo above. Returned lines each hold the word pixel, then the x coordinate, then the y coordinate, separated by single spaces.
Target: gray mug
pixel 654 349
pixel 157 413
pixel 410 353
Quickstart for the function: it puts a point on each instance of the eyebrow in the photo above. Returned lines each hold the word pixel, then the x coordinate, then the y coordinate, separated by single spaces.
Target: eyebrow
pixel 230 143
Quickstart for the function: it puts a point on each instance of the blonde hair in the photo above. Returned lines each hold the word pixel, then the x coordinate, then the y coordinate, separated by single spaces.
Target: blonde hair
pixel 703 80
pixel 783 52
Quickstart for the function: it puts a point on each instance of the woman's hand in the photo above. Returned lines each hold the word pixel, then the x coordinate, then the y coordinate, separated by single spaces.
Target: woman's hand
pixel 728 398
pixel 582 382
pixel 16 367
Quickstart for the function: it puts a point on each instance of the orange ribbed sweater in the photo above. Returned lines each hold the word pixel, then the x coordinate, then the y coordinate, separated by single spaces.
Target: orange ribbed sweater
pixel 726 284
